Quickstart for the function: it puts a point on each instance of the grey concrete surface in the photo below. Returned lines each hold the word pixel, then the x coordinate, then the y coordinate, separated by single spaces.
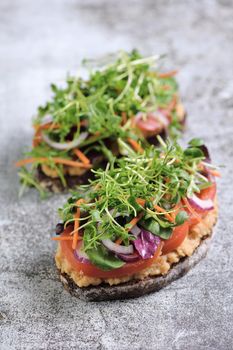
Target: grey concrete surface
pixel 40 41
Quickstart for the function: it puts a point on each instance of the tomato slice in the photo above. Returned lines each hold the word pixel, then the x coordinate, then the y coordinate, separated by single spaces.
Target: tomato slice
pixel 209 192
pixel 177 237
pixel 91 270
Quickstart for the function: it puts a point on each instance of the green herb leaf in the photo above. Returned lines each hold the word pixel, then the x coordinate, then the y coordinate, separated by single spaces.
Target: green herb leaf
pixel 150 225
pixel 181 217
pixel 96 215
pixel 194 152
pixel 196 142
pixel 102 258
pixel 124 83
pixel 165 233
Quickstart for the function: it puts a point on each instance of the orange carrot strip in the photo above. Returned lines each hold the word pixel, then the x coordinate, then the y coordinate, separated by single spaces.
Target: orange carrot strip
pixel 52 125
pixel 214 172
pixel 62 238
pixel 172 104
pixel 161 210
pixel 166 87
pixel 56 160
pixel 81 156
pixel 135 145
pixel 47 126
pixel 118 241
pixel 124 118
pixel 141 201
pixel 133 222
pixel 168 74
pixel 192 211
pixel 175 211
pixel 36 139
pixel 76 225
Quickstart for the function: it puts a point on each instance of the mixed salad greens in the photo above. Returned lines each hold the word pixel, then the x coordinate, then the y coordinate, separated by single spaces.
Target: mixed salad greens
pixel 124 103
pixel 137 201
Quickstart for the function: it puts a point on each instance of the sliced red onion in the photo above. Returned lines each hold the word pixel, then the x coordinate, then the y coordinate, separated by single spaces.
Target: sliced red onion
pixel 47 119
pixel 80 254
pixel 135 230
pixel 66 145
pixel 129 257
pixel 117 248
pixel 201 204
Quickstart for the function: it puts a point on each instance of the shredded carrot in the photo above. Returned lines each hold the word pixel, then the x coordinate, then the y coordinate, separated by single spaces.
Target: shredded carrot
pixel 76 225
pixel 175 211
pixel 135 145
pixel 172 104
pixel 141 201
pixel 191 210
pixel 166 87
pixel 38 128
pixel 161 210
pixel 47 126
pixel 36 139
pixel 124 118
pixel 56 160
pixel 62 238
pixel 81 156
pixel 118 241
pixel 133 222
pixel 214 172
pixel 168 74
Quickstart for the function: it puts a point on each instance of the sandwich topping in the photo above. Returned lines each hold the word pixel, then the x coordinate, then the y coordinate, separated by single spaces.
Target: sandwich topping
pixel 119 109
pixel 139 215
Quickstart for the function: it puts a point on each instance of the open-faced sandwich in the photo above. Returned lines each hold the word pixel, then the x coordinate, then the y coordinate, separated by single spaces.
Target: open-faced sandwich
pixel 142 222
pixel 122 106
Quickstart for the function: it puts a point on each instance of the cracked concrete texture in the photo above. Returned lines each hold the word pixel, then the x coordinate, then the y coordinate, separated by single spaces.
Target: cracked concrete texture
pixel 40 42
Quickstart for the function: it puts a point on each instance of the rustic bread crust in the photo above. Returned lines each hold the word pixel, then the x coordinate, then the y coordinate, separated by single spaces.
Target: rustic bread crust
pixel 136 288
pixel 55 185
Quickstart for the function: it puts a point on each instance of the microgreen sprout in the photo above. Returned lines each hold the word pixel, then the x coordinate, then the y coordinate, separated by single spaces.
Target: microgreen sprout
pixel 125 83
pixel 160 176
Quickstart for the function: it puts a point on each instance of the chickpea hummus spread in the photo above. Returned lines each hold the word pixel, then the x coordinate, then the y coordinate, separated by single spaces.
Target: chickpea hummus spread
pixel 160 267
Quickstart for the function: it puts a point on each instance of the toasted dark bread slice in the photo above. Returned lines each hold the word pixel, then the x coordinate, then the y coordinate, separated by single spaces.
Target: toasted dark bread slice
pixel 137 288
pixel 55 184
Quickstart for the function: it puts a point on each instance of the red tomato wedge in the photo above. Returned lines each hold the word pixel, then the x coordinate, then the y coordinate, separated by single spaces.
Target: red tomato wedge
pixel 91 270
pixel 207 193
pixel 177 237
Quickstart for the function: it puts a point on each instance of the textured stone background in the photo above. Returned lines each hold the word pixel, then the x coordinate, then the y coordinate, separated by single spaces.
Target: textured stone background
pixel 39 42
